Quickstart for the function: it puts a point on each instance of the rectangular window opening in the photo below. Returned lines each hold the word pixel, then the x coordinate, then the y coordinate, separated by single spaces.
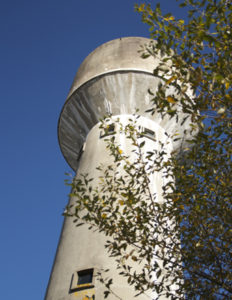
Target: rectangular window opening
pixel 85 276
pixel 82 280
pixel 148 133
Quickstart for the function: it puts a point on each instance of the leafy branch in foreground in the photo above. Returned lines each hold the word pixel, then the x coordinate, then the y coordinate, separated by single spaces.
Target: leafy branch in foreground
pixel 125 206
pixel 197 54
pixel 183 241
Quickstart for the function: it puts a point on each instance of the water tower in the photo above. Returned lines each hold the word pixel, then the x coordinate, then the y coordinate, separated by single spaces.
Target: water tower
pixel 114 80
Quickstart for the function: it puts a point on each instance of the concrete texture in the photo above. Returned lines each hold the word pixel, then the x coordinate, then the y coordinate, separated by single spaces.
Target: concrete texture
pixel 117 83
pixel 80 248
pixel 113 79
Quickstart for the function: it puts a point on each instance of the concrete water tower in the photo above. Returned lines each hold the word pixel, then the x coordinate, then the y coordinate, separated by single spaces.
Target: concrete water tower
pixel 113 79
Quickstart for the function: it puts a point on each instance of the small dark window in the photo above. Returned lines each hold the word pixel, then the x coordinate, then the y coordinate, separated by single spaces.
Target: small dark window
pixel 82 149
pixel 85 276
pixel 110 129
pixel 148 133
pixel 82 280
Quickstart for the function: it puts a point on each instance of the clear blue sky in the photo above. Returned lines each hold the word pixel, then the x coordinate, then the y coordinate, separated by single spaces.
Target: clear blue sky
pixel 42 45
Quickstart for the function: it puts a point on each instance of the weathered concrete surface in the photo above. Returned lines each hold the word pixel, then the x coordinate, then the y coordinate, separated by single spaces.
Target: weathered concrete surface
pixel 80 248
pixel 113 79
pixel 110 89
pixel 116 55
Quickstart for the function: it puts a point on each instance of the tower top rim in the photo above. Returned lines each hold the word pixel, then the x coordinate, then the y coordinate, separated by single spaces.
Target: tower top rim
pixel 120 54
pixel 113 80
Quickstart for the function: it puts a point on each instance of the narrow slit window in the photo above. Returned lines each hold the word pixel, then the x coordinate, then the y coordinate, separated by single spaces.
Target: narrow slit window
pixel 148 133
pixel 82 149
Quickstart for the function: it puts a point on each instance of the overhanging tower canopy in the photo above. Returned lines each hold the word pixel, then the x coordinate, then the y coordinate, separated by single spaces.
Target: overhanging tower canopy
pixel 113 79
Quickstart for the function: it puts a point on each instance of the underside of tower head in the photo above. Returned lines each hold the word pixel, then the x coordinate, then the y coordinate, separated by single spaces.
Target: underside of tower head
pixel 113 80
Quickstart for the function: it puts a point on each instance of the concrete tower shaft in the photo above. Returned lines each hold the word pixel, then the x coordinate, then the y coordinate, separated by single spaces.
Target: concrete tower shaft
pixel 113 79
